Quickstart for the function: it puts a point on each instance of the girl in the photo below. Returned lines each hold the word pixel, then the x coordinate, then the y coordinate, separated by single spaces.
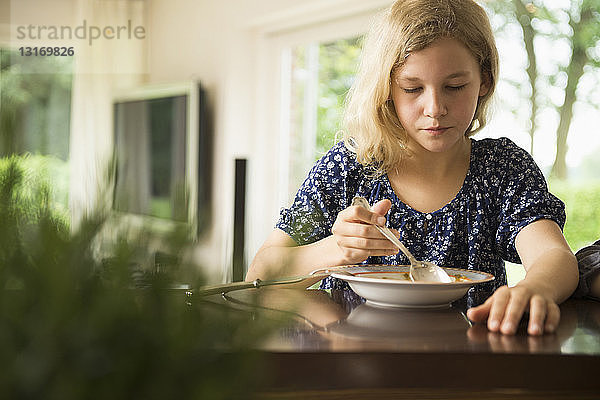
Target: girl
pixel 427 74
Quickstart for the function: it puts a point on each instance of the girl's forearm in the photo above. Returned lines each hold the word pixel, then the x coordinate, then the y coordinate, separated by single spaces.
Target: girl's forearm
pixel 555 274
pixel 284 261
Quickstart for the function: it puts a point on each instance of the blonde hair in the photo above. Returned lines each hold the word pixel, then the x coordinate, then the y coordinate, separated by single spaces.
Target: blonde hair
pixel 372 129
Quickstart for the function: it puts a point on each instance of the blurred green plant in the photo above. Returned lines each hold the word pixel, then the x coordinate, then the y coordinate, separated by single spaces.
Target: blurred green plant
pixel 582 201
pixel 39 174
pixel 73 326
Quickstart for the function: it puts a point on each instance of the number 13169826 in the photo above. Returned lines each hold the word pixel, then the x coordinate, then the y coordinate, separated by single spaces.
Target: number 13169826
pixel 47 51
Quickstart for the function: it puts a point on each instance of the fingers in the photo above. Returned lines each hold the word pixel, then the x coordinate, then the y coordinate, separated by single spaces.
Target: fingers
pixel 480 313
pixel 505 308
pixel 355 229
pixel 544 316
pixel 374 246
pixel 514 309
pixel 356 236
pixel 382 207
pixel 552 318
pixel 537 315
pixel 358 249
pixel 361 236
pixel 499 302
pixel 361 214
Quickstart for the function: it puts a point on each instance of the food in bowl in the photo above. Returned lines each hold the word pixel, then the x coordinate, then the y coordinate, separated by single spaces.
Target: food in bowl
pixel 405 276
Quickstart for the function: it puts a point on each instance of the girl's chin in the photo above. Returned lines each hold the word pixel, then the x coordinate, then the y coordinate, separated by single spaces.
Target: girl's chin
pixel 438 143
pixel 441 145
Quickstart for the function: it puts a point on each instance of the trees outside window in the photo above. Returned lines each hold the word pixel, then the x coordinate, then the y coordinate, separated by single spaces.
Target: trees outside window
pixel 35 113
pixel 560 43
pixel 322 74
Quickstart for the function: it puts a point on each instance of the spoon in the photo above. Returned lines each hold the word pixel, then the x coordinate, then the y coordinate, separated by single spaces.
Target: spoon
pixel 258 283
pixel 419 270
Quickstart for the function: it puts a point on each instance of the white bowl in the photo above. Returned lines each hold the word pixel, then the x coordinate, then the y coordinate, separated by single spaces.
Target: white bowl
pixel 380 286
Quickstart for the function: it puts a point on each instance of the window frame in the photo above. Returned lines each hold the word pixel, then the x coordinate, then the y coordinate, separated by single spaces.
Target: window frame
pixel 276 35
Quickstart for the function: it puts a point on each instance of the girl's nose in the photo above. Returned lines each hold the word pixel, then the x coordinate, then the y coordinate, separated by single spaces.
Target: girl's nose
pixel 434 105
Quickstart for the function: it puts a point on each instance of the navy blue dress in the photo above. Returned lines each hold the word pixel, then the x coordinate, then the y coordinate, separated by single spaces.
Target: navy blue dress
pixel 504 190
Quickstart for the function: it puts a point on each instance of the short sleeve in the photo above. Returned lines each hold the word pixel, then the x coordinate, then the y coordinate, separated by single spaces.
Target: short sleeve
pixel 524 198
pixel 320 198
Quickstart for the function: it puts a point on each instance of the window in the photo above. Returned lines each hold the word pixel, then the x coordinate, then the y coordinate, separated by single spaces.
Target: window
pixel 320 76
pixel 294 51
pixel 35 113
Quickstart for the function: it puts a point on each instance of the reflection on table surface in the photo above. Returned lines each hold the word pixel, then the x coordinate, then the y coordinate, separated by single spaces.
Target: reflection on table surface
pixel 334 345
pixel 320 321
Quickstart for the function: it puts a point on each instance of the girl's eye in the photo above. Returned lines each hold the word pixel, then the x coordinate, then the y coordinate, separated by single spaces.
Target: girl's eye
pixel 411 90
pixel 457 87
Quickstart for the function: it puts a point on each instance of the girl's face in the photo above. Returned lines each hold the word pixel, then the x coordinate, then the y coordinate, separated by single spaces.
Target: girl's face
pixel 435 95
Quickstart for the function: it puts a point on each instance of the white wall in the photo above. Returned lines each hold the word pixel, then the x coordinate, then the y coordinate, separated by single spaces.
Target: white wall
pixel 227 46
pixel 213 42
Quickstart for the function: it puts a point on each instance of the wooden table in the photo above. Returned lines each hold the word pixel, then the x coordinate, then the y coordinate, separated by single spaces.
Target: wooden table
pixel 332 347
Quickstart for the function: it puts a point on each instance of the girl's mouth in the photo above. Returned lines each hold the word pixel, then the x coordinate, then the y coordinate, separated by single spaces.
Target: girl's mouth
pixel 436 130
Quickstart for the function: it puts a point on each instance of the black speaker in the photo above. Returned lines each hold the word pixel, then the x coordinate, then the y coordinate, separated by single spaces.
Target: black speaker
pixel 239 221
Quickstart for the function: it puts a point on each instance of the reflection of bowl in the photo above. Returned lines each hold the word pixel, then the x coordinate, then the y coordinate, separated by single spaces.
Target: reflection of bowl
pixel 382 290
pixel 367 321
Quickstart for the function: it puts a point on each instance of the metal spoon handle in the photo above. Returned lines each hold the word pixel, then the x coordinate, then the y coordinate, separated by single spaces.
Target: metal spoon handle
pixel 257 283
pixel 361 201
pixel 390 236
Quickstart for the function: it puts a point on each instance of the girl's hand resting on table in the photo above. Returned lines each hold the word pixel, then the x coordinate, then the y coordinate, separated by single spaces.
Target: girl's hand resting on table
pixel 504 309
pixel 551 278
pixel 355 236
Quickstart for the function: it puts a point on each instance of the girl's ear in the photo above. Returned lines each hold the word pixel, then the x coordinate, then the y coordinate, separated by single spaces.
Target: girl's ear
pixel 484 88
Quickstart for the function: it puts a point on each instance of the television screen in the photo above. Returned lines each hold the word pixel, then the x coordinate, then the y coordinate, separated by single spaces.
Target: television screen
pixel 151 152
pixel 162 151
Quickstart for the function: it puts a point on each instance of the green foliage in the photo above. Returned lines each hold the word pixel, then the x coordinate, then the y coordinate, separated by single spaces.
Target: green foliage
pixel 575 24
pixel 35 96
pixel 41 172
pixel 338 62
pixel 73 326
pixel 582 201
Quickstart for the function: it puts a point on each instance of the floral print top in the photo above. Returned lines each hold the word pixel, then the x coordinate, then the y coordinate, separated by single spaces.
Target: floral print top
pixel 503 191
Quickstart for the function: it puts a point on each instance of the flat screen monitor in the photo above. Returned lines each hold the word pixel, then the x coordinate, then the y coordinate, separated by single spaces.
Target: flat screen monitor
pixel 162 149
